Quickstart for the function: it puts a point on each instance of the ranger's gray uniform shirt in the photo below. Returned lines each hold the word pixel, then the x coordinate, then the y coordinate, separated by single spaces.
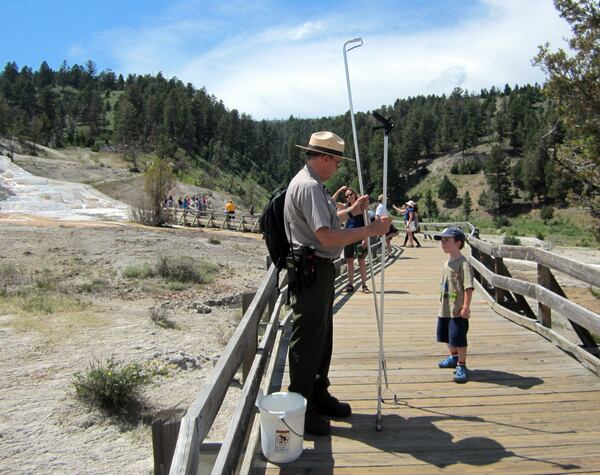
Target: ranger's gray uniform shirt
pixel 308 207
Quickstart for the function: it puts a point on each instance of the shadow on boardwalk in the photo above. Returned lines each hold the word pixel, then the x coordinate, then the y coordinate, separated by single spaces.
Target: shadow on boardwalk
pixel 421 438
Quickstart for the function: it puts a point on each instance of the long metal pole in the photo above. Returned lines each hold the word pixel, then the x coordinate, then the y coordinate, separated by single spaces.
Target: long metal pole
pixel 381 368
pixel 381 364
pixel 358 167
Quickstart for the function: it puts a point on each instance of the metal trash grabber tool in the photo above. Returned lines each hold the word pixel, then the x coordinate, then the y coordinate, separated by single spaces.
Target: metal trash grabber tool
pixel 387 126
pixel 359 43
pixel 358 167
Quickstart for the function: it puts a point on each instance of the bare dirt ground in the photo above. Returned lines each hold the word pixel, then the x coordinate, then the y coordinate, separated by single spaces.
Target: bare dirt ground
pixel 100 313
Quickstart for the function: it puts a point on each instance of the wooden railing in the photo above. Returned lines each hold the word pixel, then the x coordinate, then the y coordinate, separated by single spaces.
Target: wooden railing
pixel 243 350
pixel 214 219
pixel 508 296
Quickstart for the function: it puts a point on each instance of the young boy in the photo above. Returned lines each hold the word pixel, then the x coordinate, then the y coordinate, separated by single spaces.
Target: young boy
pixel 455 298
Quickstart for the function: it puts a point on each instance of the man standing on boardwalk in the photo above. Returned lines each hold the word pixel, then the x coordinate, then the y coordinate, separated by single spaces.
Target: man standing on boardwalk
pixel 312 223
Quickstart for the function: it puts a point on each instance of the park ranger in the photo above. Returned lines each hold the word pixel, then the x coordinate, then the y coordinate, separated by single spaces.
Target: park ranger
pixel 312 223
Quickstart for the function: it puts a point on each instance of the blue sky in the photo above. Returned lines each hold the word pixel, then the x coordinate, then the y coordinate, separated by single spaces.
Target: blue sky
pixel 273 59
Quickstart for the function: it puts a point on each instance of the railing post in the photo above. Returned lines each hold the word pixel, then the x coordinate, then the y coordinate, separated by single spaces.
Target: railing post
pixel 500 295
pixel 252 345
pixel 545 280
pixel 164 439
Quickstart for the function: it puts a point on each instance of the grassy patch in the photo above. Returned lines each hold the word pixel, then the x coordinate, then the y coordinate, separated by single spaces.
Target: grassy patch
pixel 96 285
pixel 9 274
pixel 40 302
pixel 138 271
pixel 561 230
pixel 50 314
pixel 185 270
pixel 177 286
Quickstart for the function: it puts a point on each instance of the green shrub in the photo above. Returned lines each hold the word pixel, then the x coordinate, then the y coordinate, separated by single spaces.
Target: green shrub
pixel 159 316
pixel 470 167
pixel 511 240
pixel 112 387
pixel 546 213
pixel 177 286
pixel 540 235
pixel 95 285
pixel 500 221
pixel 212 240
pixel 38 304
pixel 138 271
pixel 96 146
pixel 45 280
pixel 186 269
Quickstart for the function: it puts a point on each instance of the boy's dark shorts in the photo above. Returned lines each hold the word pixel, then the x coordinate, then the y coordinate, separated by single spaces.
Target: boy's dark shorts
pixel 453 331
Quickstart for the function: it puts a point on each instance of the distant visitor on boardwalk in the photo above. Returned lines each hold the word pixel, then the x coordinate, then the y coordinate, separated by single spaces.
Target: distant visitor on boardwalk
pixel 230 207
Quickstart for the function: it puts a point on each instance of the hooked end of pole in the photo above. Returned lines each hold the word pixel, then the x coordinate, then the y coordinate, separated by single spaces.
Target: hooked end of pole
pixel 354 40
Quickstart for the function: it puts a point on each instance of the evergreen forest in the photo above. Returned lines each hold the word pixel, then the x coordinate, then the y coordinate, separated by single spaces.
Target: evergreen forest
pixel 199 135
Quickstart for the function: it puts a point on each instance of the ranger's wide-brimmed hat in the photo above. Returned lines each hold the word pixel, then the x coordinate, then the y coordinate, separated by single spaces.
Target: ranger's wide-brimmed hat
pixel 326 143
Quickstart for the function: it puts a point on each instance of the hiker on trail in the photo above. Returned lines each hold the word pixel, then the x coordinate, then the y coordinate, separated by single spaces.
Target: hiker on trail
pixel 358 249
pixel 410 213
pixel 412 223
pixel 230 207
pixel 393 232
pixel 455 297
pixel 312 223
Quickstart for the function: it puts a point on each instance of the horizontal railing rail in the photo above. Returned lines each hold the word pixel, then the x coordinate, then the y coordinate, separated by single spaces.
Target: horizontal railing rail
pixel 240 221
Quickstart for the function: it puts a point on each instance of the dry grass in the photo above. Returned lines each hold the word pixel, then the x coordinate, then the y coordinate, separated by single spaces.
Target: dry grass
pixel 51 315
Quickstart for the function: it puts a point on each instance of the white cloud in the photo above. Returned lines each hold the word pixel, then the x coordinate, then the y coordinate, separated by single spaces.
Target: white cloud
pixel 297 69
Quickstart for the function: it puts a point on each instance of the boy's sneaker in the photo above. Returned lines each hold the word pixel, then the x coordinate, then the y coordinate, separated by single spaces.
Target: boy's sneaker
pixel 461 374
pixel 449 362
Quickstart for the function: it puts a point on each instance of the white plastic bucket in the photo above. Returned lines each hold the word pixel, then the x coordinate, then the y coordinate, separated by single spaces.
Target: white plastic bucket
pixel 282 426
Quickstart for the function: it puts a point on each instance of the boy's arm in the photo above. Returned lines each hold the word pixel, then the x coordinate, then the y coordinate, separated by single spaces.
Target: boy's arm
pixel 465 311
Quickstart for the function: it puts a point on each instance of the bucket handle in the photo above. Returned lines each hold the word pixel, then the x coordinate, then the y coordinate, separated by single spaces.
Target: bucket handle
pixel 259 397
pixel 293 431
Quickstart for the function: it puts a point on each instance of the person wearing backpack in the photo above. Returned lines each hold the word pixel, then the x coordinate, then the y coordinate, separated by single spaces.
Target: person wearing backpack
pixel 312 224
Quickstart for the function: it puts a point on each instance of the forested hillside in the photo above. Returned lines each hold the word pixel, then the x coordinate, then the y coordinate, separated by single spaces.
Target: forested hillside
pixel 200 136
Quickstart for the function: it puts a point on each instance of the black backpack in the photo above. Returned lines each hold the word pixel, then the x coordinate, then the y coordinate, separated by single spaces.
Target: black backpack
pixel 272 227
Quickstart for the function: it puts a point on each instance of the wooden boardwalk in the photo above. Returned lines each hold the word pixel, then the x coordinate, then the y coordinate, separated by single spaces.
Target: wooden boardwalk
pixel 527 408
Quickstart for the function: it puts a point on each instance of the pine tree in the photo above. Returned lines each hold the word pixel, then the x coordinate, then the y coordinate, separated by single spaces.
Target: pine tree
pixel 574 84
pixel 431 207
pixel 467 205
pixel 447 190
pixel 498 198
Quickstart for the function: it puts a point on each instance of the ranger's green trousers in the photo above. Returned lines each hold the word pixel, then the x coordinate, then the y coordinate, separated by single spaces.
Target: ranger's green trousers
pixel 312 334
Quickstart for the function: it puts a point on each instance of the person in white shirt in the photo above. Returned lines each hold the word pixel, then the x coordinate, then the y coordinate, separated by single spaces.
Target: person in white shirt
pixel 380 212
